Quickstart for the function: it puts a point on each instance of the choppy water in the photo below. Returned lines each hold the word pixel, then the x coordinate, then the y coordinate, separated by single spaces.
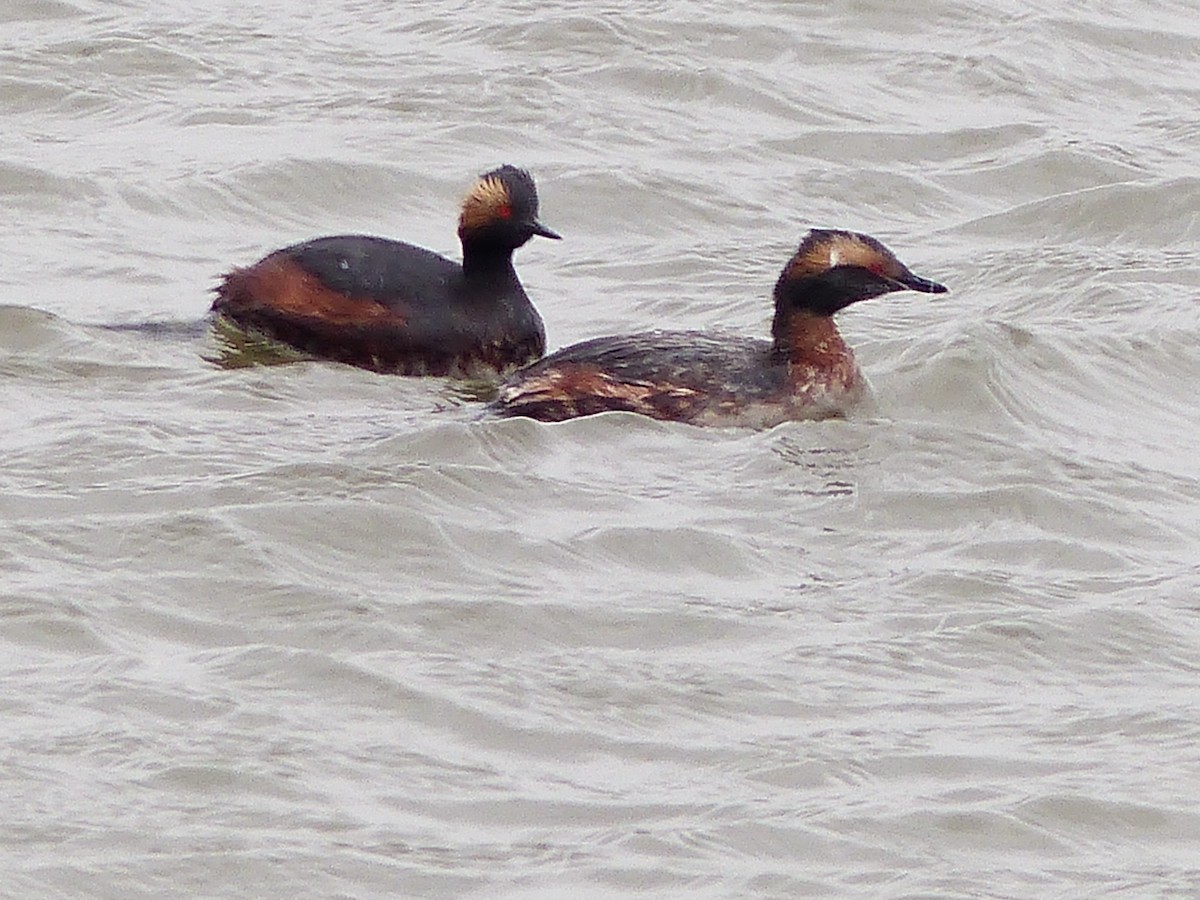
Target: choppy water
pixel 307 631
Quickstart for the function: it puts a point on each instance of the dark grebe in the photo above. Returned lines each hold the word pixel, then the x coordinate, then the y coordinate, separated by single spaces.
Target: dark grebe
pixel 806 372
pixel 392 307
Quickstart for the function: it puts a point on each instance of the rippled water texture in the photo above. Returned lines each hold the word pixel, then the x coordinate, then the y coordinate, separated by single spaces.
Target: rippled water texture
pixel 305 631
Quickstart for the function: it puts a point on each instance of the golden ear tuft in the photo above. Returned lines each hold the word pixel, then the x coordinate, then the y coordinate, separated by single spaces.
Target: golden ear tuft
pixel 824 249
pixel 850 249
pixel 483 203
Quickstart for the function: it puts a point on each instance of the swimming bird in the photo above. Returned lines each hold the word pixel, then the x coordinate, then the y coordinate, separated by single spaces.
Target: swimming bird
pixel 806 370
pixel 392 307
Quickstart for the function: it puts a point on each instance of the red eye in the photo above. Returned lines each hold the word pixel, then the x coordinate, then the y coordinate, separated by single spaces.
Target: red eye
pixel 504 211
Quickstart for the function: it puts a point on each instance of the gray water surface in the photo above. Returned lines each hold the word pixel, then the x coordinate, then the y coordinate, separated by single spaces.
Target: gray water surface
pixel 306 631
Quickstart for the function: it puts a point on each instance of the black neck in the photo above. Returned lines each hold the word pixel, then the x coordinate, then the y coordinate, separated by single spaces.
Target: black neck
pixel 486 259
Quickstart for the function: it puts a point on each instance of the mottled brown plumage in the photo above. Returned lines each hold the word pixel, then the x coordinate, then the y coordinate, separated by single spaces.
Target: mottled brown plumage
pixel 805 372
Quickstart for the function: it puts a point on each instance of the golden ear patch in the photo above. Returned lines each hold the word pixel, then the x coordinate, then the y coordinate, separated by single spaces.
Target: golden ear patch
pixel 823 250
pixel 484 204
pixel 850 249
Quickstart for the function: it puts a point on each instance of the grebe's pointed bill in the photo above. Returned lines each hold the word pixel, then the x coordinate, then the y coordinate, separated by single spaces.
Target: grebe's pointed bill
pixel 540 229
pixel 924 285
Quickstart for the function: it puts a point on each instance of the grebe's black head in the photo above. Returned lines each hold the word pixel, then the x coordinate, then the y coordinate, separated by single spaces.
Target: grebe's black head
pixel 501 209
pixel 832 269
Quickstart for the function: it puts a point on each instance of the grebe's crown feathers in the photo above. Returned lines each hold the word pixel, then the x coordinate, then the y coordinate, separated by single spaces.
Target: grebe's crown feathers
pixel 506 195
pixel 832 269
pixel 826 248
